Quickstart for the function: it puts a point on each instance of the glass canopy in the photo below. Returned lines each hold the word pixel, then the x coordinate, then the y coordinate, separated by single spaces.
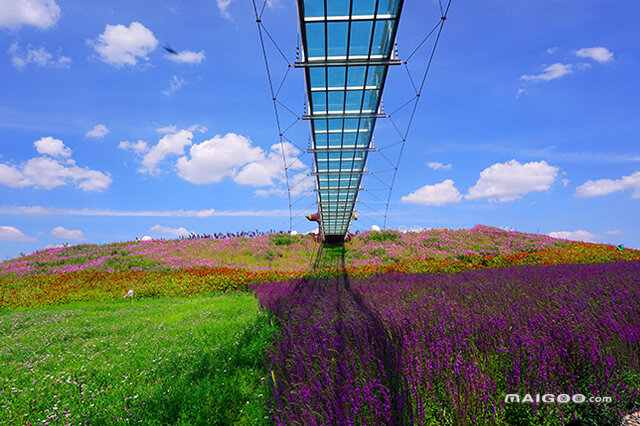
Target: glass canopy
pixel 347 49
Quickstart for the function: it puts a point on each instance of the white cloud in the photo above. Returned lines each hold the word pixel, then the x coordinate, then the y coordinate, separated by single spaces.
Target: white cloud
pixel 223 7
pixel 68 234
pixel 301 182
pixel 50 246
pixel 552 50
pixel 47 173
pixel 186 57
pixel 48 211
pixel 175 84
pixel 235 157
pixel 438 166
pixel 10 233
pixel 120 45
pixel 197 128
pixel 139 147
pixel 434 195
pixel 521 91
pixel 214 159
pixel 608 186
pixel 599 54
pixel 167 129
pixel 51 211
pixel 549 153
pixel 263 171
pixel 174 232
pixel 298 184
pixel 172 128
pixel 551 72
pixel 579 235
pixel 99 131
pixel 415 228
pixel 267 192
pixel 509 181
pixel 53 147
pixel 40 57
pixel 11 176
pixel 229 156
pixel 171 144
pixel 614 232
pixel 39 13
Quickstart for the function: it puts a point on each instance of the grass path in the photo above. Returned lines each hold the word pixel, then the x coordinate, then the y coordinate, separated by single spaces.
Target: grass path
pixel 158 361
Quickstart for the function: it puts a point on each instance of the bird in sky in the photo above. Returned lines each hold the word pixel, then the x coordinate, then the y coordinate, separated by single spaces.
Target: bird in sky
pixel 169 49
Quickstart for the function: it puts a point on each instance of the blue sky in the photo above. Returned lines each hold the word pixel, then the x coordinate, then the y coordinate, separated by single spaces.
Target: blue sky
pixel 528 120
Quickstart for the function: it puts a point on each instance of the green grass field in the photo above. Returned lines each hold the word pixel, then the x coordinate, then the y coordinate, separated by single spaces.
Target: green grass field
pixel 156 361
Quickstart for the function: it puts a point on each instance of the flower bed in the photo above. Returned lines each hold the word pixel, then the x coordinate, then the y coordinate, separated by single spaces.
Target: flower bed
pixel 447 348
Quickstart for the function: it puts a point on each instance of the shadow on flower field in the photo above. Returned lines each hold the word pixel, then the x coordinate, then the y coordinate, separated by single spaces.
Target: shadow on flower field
pixel 334 360
pixel 446 349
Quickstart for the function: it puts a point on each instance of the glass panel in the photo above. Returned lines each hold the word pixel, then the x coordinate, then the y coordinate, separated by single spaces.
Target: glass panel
pixel 363 139
pixel 320 124
pixel 351 123
pixel 335 124
pixel 336 76
pixel 388 7
pixel 355 164
pixel 364 7
pixel 356 76
pixel 336 101
pixel 319 101
pixel 365 123
pixel 321 140
pixel 315 39
pixel 360 37
pixel 337 38
pixel 318 77
pixel 382 38
pixel 338 7
pixel 349 139
pixel 313 8
pixel 354 100
pixel 374 76
pixel 335 140
pixel 370 100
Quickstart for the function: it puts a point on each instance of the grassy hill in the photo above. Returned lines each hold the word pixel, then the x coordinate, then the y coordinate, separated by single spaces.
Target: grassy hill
pixel 207 265
pixel 432 327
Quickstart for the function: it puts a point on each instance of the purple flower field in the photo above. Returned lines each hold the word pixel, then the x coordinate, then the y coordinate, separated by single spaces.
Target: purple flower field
pixel 447 348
